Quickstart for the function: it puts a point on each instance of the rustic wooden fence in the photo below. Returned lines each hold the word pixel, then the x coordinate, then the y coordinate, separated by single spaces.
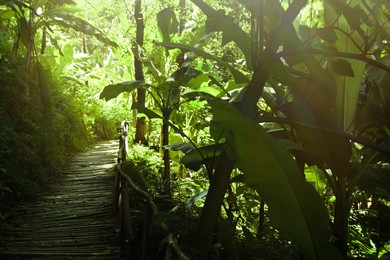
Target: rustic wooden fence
pixel 122 184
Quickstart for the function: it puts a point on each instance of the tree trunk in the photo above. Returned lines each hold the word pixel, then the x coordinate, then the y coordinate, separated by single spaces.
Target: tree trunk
pixel 211 210
pixel 45 90
pixel 140 131
pixel 167 166
pixel 43 42
pixel 140 128
pixel 29 52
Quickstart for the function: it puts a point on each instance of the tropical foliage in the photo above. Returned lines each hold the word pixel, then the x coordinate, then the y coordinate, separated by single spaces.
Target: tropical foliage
pixel 267 121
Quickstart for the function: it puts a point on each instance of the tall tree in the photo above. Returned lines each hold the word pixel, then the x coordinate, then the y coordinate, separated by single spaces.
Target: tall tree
pixel 139 74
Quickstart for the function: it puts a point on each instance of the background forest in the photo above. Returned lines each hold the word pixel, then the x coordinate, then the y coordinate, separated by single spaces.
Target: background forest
pixel 260 128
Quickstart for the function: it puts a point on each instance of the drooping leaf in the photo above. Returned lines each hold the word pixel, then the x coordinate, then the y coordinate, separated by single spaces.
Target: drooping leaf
pixel 329 148
pixel 348 76
pixel 113 90
pixel 294 206
pixel 65 60
pixel 167 23
pixel 238 76
pixel 342 68
pixel 192 200
pixel 317 178
pixel 144 110
pixel 194 159
pixel 210 90
pixel 25 31
pixel 291 42
pixel 67 20
pixel 314 103
pixel 197 95
pixel 181 146
pixel 183 75
pixel 198 81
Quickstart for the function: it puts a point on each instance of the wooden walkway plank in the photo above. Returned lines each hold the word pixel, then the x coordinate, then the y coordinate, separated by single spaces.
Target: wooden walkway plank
pixel 74 218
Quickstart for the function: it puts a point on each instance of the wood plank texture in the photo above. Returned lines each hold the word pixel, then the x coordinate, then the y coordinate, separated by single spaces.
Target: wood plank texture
pixel 74 218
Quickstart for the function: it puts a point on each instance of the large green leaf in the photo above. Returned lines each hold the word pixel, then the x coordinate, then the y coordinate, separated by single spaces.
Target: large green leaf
pixel 65 60
pixel 67 20
pixel 194 159
pixel 144 110
pixel 181 146
pixel 25 31
pixel 307 108
pixel 153 115
pixel 314 103
pixel 113 90
pixel 183 75
pixel 347 73
pixel 294 206
pixel 167 23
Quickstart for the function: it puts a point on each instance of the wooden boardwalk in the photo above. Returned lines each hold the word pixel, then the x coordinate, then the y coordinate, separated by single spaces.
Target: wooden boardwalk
pixel 74 218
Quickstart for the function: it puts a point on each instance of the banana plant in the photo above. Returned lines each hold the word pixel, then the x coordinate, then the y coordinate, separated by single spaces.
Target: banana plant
pixel 166 91
pixel 167 97
pixel 253 150
pixel 320 105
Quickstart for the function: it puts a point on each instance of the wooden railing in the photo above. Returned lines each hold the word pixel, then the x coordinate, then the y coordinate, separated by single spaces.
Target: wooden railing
pixel 121 192
pixel 122 184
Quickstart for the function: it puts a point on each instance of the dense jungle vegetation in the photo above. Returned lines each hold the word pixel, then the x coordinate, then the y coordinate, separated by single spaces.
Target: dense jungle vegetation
pixel 260 128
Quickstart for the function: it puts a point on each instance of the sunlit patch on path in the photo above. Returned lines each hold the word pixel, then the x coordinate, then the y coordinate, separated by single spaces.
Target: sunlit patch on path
pixel 74 218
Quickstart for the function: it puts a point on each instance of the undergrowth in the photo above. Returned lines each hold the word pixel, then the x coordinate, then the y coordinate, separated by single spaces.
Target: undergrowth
pixel 235 237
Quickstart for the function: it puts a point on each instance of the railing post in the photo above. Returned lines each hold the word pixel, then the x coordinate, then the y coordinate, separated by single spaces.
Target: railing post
pixel 123 141
pixel 121 193
pixel 126 229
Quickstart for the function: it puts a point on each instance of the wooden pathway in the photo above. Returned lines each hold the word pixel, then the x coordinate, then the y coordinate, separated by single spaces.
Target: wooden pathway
pixel 74 218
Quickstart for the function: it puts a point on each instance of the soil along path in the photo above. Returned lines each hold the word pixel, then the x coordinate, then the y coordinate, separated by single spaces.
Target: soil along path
pixel 75 218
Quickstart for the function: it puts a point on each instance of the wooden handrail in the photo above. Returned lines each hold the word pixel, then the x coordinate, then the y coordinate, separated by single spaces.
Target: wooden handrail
pixel 121 199
pixel 121 193
pixel 138 190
